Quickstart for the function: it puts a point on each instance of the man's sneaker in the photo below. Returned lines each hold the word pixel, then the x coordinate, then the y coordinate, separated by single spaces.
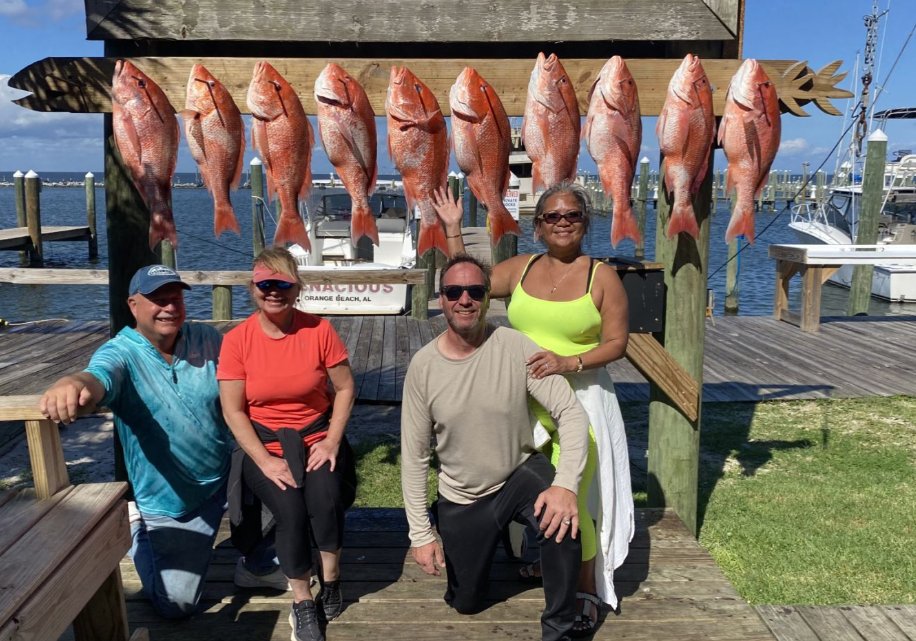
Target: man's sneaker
pixel 330 599
pixel 245 578
pixel 303 619
pixel 133 513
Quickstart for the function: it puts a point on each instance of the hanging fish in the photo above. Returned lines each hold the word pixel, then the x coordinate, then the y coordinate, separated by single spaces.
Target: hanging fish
pixel 418 144
pixel 146 133
pixel 282 135
pixel 749 135
pixel 613 134
pixel 550 128
pixel 346 124
pixel 482 139
pixel 686 130
pixel 216 136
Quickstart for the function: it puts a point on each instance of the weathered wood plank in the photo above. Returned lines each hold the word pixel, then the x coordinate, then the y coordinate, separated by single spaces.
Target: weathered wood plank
pixel 240 278
pixel 21 512
pixel 786 623
pixel 412 21
pixel 904 616
pixel 18 237
pixel 51 81
pixel 828 623
pixel 371 378
pixel 653 362
pixel 49 468
pixel 387 386
pixel 873 624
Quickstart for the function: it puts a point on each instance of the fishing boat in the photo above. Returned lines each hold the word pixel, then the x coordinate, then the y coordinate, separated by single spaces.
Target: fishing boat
pixel 328 226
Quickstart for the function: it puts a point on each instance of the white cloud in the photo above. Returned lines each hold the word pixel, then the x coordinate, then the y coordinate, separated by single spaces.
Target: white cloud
pixel 13 8
pixel 37 16
pixel 794 146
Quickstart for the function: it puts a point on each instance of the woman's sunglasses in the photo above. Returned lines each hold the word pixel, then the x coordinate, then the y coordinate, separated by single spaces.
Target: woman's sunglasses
pixel 454 292
pixel 264 285
pixel 572 217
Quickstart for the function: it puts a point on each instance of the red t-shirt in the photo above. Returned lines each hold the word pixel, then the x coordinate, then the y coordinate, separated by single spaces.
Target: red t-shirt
pixel 286 379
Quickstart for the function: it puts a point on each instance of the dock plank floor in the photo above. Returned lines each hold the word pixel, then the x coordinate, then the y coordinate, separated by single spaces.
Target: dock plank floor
pixel 748 358
pixel 842 623
pixel 18 237
pixel 670 588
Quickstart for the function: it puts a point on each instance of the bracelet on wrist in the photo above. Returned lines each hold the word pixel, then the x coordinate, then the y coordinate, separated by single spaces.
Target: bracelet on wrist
pixel 455 236
pixel 581 365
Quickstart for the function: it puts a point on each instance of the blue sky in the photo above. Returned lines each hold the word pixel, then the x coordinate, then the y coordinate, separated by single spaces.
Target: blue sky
pixel 814 30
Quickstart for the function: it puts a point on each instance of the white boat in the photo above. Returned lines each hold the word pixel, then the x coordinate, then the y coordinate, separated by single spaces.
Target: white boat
pixel 333 250
pixel 835 222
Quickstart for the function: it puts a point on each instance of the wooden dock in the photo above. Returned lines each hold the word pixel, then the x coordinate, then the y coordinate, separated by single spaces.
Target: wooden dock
pixel 748 358
pixel 670 588
pixel 18 238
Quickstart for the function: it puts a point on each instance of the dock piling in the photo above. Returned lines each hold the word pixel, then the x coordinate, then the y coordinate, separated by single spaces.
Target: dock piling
pixel 731 276
pixel 256 175
pixel 90 216
pixel 222 302
pixel 869 217
pixel 19 188
pixel 642 194
pixel 33 217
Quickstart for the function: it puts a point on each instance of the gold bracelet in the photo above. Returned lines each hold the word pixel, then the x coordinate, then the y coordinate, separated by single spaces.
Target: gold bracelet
pixel 455 236
pixel 581 366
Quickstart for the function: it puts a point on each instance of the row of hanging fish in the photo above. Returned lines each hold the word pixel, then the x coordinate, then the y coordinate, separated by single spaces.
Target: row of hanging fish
pixel 147 136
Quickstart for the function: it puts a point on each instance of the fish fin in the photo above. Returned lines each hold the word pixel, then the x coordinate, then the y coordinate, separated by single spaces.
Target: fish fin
pixel 259 142
pixel 291 229
pixel 536 181
pixel 623 225
pixel 162 227
pixel 661 124
pixel 683 219
pixel 362 223
pixel 129 143
pixel 730 182
pixel 698 180
pixel 741 222
pixel 344 128
pixel 224 219
pixel 720 135
pixel 410 197
pixel 194 134
pixel 373 180
pixel 188 114
pixel 521 134
pixel 432 237
pixel 591 90
pixel 502 193
pixel 390 154
pixel 502 223
pixel 240 164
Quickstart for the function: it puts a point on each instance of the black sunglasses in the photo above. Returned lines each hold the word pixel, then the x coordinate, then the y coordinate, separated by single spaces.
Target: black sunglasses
pixel 572 217
pixel 264 285
pixel 476 292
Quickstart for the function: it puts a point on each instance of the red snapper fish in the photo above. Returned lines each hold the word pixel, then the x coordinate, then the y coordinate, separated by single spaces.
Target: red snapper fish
pixel 282 135
pixel 686 130
pixel 146 133
pixel 346 124
pixel 481 139
pixel 551 126
pixel 216 137
pixel 418 144
pixel 613 134
pixel 749 134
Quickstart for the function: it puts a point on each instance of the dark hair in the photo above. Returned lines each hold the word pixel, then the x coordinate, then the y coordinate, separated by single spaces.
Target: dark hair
pixel 573 188
pixel 458 259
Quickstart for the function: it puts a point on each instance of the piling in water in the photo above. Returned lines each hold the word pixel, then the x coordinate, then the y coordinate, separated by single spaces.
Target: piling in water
pixel 869 217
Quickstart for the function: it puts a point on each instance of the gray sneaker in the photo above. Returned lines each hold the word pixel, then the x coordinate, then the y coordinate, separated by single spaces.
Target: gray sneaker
pixel 303 619
pixel 245 578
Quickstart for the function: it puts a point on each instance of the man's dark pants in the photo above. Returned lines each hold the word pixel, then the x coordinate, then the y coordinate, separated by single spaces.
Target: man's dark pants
pixel 470 534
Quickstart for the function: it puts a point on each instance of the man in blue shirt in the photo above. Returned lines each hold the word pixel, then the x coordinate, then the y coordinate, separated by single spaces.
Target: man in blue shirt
pixel 159 380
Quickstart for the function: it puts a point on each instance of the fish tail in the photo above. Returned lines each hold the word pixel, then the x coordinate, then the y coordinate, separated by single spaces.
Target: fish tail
pixel 741 222
pixel 501 223
pixel 683 218
pixel 362 223
pixel 432 237
pixel 224 219
pixel 290 228
pixel 624 225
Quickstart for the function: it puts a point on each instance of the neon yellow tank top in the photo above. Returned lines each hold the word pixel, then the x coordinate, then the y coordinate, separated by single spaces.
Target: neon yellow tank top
pixel 566 328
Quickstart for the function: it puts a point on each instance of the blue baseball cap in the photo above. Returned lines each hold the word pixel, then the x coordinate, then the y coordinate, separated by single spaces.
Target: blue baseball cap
pixel 150 278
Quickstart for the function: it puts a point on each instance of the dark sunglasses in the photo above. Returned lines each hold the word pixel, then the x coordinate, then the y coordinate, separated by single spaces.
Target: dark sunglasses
pixel 476 292
pixel 264 285
pixel 572 217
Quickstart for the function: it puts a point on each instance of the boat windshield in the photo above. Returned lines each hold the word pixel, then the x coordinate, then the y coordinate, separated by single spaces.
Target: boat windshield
pixel 338 206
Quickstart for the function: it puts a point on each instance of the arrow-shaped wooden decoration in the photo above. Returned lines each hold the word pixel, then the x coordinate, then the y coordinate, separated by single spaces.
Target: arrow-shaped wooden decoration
pixel 83 85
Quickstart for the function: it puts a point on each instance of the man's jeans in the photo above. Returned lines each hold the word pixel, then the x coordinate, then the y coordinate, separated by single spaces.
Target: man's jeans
pixel 172 555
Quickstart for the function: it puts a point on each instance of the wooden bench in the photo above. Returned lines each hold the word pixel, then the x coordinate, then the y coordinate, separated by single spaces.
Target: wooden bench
pixel 60 545
pixel 817 263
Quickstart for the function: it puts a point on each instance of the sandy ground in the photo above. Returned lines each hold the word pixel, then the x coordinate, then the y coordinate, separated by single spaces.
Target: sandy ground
pixel 89 452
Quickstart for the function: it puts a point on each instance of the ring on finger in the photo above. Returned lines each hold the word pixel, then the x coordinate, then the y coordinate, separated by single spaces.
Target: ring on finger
pixel 567 522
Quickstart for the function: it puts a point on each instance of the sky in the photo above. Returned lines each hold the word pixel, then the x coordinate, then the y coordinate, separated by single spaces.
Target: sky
pixel 814 30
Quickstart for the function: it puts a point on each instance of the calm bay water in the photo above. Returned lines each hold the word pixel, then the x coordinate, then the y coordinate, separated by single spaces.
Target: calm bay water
pixel 199 250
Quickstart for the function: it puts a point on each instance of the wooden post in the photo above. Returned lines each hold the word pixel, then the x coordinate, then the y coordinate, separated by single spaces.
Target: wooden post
pixel 731 276
pixel 257 206
pixel 869 217
pixel 105 615
pixel 222 302
pixel 90 216
pixel 642 193
pixel 21 221
pixel 419 302
pixel 33 217
pixel 472 208
pixel 674 440
pixel 127 224
pixel 49 468
pixel 506 248
pixel 167 254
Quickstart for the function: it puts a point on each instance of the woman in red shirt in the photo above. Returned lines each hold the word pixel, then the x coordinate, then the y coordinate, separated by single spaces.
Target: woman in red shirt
pixel 273 379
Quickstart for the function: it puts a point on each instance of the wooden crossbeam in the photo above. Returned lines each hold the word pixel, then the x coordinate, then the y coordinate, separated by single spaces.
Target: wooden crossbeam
pixel 83 85
pixel 658 366
pixel 316 277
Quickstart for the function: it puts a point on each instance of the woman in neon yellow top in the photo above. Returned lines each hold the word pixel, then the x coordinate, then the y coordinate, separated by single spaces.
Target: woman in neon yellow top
pixel 575 308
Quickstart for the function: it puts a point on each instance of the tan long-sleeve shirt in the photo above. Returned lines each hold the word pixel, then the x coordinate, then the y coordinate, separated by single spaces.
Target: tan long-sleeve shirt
pixel 477 409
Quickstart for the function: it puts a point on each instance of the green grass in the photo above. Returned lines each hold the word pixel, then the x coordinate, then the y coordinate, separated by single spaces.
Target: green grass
pixel 803 502
pixel 811 502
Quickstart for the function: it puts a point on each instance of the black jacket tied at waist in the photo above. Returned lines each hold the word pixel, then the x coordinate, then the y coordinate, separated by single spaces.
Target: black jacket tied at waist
pixel 245 508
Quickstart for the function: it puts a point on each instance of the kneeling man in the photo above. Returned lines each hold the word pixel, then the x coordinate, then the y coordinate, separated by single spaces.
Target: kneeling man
pixel 469 389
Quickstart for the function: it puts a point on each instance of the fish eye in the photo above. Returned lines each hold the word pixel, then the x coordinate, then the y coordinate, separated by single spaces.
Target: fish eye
pixel 563 80
pixel 141 84
pixel 276 85
pixel 211 83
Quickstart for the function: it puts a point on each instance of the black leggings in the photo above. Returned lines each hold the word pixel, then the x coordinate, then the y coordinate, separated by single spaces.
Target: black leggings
pixel 314 511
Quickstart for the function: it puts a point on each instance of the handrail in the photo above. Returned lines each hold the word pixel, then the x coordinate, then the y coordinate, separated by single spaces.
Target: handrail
pixel 34 276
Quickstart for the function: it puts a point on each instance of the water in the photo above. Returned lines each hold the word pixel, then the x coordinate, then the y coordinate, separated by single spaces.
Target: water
pixel 199 250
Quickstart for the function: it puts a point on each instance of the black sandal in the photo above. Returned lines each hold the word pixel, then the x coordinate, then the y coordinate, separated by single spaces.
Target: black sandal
pixel 585 619
pixel 526 573
pixel 330 599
